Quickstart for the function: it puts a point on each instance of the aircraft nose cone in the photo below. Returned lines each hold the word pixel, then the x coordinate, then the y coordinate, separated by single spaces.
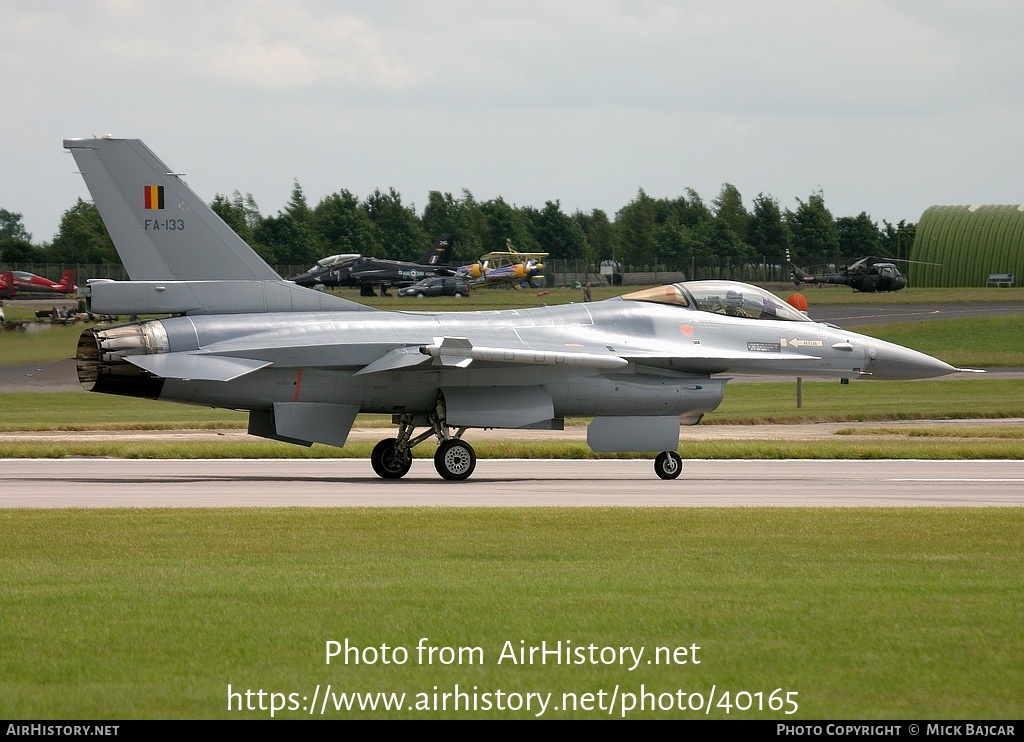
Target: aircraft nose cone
pixel 890 361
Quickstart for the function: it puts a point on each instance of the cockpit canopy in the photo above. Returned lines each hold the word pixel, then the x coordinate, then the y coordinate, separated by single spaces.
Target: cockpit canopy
pixel 334 259
pixel 721 297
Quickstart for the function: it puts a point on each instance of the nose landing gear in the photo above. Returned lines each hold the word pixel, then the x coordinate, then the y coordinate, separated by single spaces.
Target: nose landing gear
pixel 668 465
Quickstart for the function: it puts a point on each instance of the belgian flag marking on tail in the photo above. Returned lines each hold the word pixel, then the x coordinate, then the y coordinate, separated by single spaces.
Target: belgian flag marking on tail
pixel 154 196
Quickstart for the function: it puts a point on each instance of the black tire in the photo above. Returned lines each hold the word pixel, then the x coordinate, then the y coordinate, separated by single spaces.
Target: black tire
pixel 668 465
pixel 386 462
pixel 455 460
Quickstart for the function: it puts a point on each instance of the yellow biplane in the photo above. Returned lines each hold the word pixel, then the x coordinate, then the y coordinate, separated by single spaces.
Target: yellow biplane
pixel 507 266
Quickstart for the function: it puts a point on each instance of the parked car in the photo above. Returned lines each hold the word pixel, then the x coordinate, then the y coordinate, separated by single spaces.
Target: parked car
pixel 438 286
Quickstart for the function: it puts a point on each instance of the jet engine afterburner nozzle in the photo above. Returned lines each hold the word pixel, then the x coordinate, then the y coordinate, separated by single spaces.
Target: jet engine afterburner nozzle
pixel 101 359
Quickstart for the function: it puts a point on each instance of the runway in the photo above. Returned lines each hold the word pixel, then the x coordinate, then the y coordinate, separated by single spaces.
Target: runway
pixel 121 483
pixel 852 316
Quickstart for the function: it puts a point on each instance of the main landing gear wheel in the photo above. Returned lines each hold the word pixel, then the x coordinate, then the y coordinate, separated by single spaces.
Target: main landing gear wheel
pixel 387 462
pixel 668 465
pixel 455 459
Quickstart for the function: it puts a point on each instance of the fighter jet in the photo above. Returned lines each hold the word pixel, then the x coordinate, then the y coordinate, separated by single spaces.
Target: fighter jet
pixel 377 273
pixel 304 363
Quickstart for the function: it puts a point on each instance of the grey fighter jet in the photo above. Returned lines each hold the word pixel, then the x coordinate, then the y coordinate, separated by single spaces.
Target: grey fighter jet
pixel 305 363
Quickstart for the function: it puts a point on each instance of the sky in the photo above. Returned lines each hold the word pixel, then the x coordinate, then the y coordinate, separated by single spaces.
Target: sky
pixel 886 107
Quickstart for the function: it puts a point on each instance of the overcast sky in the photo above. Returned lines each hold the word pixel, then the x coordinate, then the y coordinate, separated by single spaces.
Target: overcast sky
pixel 887 107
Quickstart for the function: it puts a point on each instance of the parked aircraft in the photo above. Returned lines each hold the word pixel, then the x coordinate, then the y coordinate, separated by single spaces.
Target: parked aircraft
pixel 13 281
pixel 305 363
pixel 868 275
pixel 510 266
pixel 371 273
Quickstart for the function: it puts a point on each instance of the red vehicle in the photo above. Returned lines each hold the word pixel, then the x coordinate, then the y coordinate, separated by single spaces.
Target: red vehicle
pixel 13 281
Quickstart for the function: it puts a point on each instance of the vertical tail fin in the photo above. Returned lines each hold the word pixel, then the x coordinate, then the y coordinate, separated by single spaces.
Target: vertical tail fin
pixel 7 285
pixel 438 252
pixel 160 228
pixel 66 285
pixel 798 275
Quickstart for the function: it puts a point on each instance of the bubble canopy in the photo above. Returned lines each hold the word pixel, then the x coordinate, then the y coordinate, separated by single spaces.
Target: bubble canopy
pixel 721 297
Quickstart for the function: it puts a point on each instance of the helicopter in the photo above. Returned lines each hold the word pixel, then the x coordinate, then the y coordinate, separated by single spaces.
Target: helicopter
pixel 866 275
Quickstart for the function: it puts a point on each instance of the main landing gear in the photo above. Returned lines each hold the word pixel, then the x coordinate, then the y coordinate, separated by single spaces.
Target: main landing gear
pixel 455 458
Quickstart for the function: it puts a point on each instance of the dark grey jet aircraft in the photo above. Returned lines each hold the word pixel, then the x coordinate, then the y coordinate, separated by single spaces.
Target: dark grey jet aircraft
pixel 377 273
pixel 305 363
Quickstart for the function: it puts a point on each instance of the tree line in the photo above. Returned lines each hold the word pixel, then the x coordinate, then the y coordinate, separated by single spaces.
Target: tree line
pixel 678 234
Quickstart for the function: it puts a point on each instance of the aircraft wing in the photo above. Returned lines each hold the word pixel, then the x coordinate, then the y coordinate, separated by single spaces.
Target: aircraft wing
pixel 454 352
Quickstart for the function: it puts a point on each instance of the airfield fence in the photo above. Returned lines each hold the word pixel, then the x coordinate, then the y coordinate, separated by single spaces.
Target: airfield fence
pixel 558 272
pixel 570 272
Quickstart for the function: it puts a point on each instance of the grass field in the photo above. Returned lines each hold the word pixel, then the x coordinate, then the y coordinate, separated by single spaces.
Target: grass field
pixel 864 614
pixel 816 296
pixel 744 403
pixel 979 443
pixel 861 613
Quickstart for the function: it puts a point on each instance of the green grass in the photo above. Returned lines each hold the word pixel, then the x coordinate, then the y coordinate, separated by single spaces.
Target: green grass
pixel 970 343
pixel 743 404
pixel 934 447
pixel 960 431
pixel 871 400
pixel 499 298
pixel 50 343
pixel 864 613
pixel 82 411
pixel 830 295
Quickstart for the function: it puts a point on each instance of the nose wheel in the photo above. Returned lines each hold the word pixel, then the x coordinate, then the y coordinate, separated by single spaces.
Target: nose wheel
pixel 668 465
pixel 455 459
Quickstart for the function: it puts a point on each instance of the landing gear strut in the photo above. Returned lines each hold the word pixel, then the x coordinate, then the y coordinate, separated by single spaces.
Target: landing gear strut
pixel 455 458
pixel 668 465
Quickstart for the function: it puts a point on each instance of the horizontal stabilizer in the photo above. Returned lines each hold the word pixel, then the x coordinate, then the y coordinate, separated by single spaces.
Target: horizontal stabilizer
pixel 196 366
